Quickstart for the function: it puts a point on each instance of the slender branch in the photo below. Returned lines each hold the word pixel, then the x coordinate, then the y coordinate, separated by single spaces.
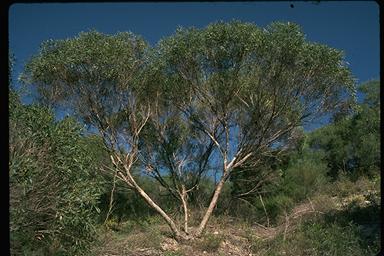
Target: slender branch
pixel 111 200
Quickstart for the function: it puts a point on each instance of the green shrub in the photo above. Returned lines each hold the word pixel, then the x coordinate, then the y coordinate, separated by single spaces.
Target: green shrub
pixel 345 186
pixel 330 239
pixel 320 238
pixel 128 205
pixel 276 206
pixel 54 187
pixel 300 174
pixel 304 176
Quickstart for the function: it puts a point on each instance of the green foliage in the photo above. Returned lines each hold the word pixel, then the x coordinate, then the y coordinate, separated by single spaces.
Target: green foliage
pixel 92 74
pixel 230 89
pixel 304 169
pixel 129 206
pixel 239 74
pixel 321 236
pixel 298 175
pixel 53 183
pixel 344 186
pixel 304 176
pixel 354 229
pixel 322 239
pixel 352 144
pixel 91 57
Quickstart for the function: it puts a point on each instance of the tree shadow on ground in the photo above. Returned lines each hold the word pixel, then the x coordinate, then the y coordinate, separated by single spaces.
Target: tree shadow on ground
pixel 365 217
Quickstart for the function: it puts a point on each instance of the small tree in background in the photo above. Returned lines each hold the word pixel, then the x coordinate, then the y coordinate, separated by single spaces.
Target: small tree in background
pixel 214 99
pixel 352 144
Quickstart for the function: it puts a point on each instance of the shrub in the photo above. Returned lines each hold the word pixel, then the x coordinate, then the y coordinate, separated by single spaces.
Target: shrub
pixel 299 174
pixel 304 175
pixel 54 187
pixel 345 186
pixel 317 238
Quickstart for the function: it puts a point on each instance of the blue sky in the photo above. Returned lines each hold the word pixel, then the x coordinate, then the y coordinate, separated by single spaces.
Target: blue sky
pixel 350 26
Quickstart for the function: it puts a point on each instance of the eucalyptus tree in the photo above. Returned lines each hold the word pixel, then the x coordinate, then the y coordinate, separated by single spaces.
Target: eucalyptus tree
pixel 219 98
pixel 107 82
pixel 244 90
pixel 99 78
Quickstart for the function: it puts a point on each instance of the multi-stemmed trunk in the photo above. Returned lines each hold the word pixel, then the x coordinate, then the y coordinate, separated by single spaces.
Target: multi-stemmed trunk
pixel 179 234
pixel 183 196
pixel 185 234
pixel 211 207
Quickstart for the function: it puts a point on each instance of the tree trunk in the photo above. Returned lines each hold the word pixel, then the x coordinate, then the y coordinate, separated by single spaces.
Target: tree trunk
pixel 178 235
pixel 211 206
pixel 185 208
pixel 111 200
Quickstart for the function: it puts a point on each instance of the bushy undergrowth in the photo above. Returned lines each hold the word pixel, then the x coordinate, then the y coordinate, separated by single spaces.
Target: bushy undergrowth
pixel 352 228
pixel 318 238
pixel 352 231
pixel 302 176
pixel 54 188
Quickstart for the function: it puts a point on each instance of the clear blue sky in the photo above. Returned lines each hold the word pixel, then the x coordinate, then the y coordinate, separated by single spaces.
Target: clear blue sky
pixel 350 26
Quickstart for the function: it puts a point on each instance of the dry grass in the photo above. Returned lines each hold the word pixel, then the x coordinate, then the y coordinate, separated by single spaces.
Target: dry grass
pixel 227 236
pixel 224 236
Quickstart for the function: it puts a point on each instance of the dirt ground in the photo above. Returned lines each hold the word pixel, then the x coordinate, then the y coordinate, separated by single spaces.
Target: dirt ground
pixel 222 238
